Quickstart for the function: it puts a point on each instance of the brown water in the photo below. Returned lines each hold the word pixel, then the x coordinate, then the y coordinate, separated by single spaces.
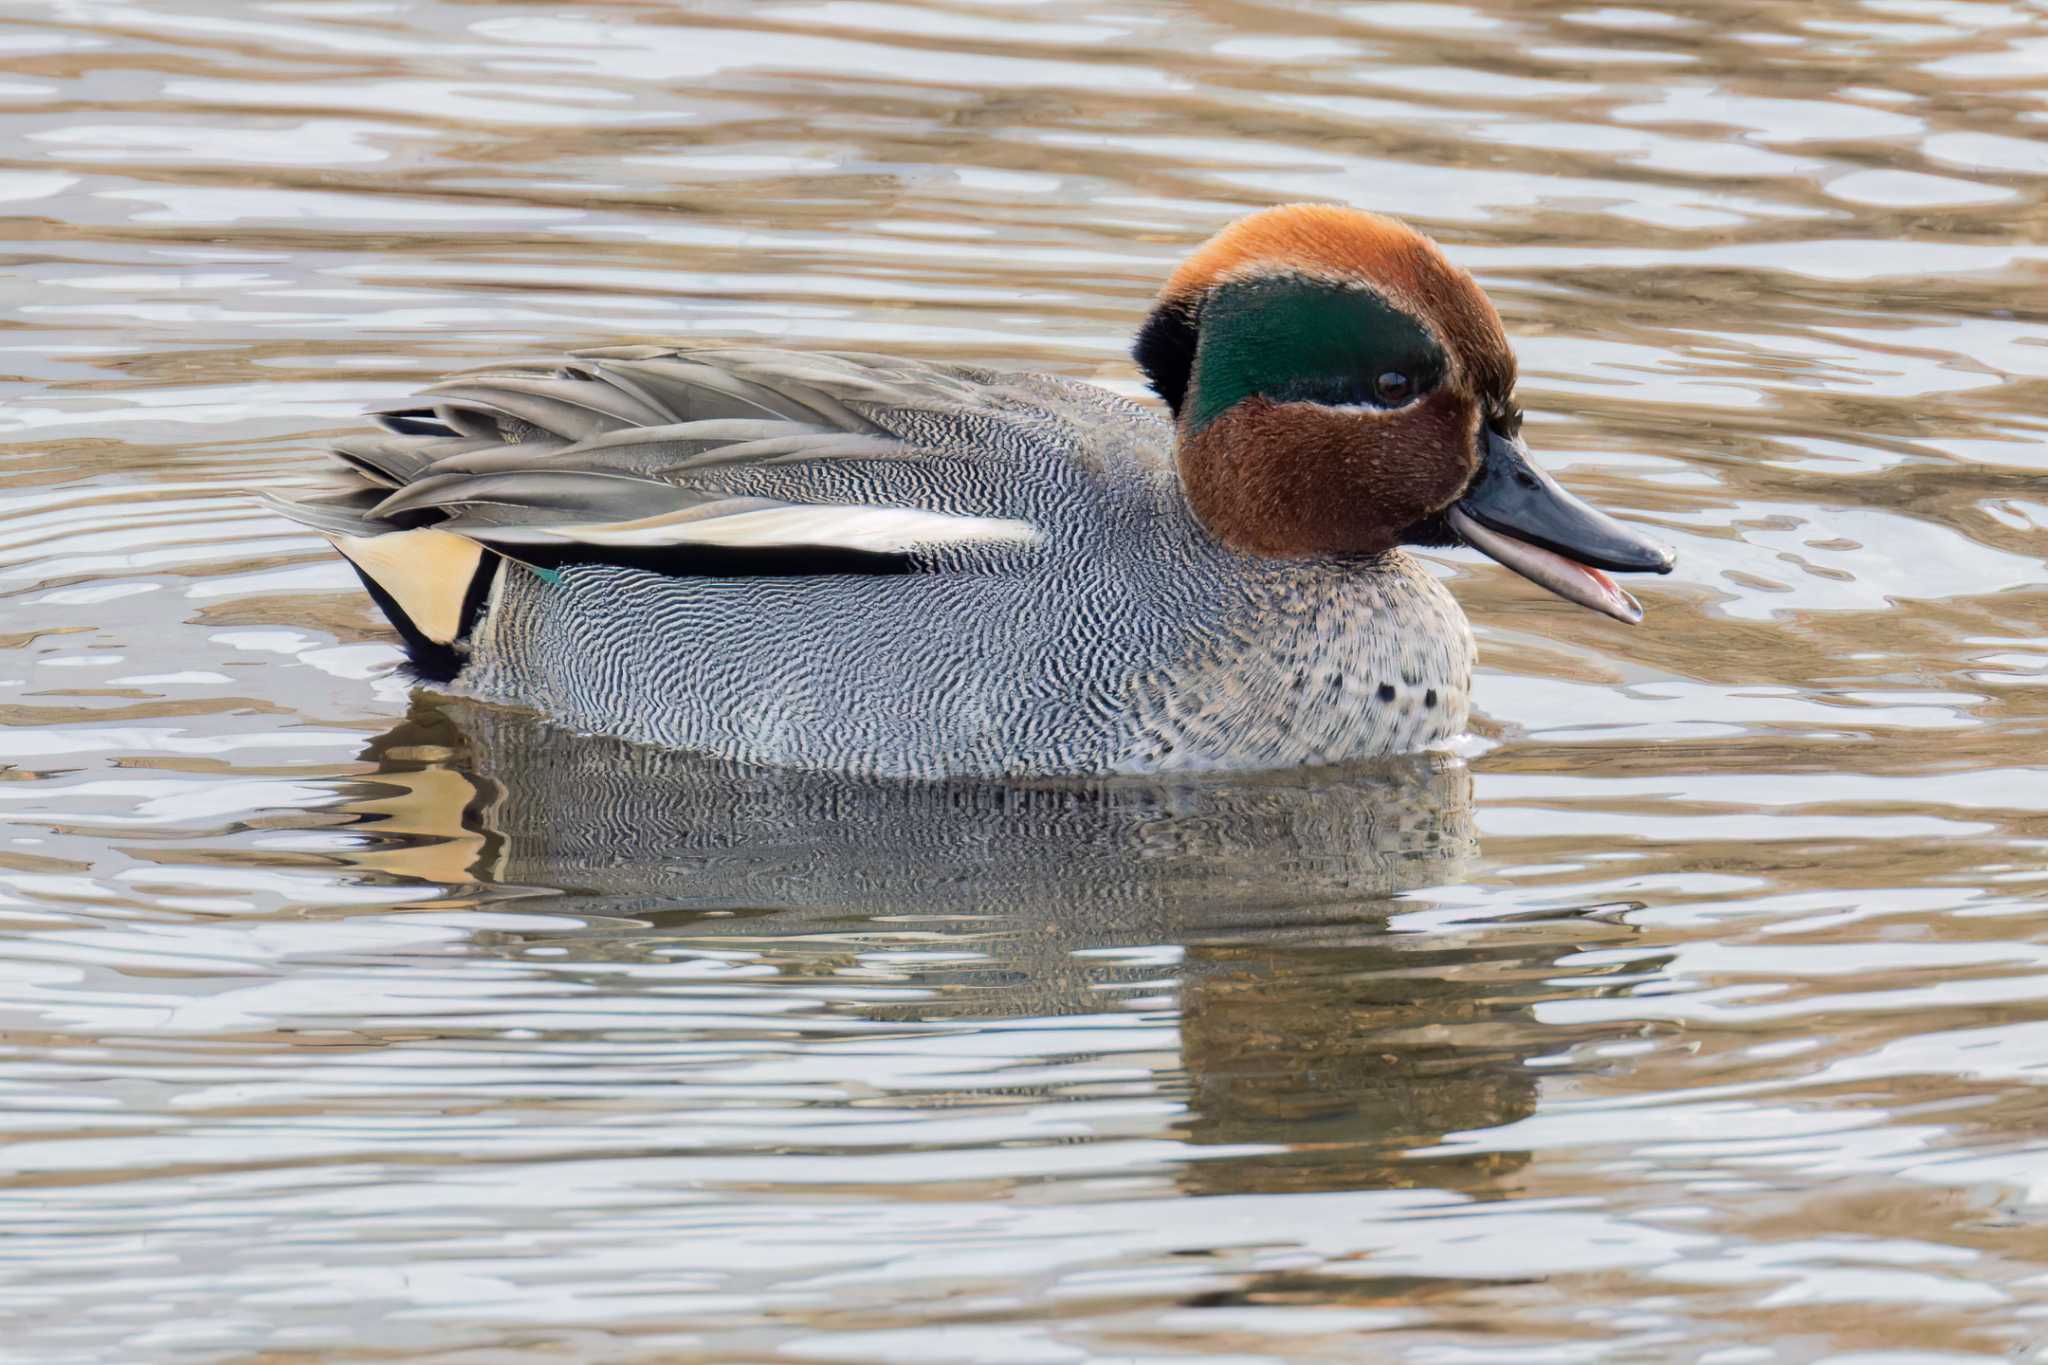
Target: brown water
pixel 1703 1016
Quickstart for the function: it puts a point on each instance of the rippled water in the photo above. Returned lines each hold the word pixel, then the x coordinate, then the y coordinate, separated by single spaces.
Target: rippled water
pixel 1704 1016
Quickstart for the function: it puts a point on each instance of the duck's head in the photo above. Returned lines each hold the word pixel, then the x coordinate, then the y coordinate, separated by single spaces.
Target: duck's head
pixel 1340 388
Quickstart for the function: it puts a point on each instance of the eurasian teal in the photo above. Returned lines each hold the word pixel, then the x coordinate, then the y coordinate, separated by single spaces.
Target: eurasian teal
pixel 850 562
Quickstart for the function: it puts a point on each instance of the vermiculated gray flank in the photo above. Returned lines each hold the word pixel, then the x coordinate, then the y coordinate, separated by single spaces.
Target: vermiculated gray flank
pixel 1059 609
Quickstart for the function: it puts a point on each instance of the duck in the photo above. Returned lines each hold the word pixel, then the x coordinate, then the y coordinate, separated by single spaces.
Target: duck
pixel 888 567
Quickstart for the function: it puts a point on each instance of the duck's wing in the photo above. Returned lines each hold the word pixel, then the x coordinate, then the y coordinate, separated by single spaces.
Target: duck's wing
pixel 727 462
pixel 676 460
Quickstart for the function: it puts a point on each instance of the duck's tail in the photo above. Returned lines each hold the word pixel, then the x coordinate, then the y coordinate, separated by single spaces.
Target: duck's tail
pixel 430 584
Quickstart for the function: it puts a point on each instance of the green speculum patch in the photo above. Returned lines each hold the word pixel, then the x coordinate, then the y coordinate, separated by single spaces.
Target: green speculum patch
pixel 1295 340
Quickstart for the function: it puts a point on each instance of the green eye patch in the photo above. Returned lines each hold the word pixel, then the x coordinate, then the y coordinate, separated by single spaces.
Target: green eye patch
pixel 1296 340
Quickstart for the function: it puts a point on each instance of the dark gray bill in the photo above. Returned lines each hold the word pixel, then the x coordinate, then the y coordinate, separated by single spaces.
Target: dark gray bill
pixel 1519 515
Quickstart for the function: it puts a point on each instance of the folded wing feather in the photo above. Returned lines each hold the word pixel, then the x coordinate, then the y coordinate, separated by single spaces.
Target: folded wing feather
pixel 651 457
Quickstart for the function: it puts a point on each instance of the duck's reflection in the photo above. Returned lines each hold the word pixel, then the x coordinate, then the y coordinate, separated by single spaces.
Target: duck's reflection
pixel 1261 902
pixel 1353 1053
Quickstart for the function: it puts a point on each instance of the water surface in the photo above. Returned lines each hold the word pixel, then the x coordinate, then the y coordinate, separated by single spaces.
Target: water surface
pixel 1702 1015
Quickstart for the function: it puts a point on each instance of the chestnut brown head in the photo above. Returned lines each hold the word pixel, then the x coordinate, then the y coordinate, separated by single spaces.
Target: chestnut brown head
pixel 1340 388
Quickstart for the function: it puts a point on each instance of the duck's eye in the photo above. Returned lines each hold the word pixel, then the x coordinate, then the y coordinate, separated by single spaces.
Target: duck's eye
pixel 1393 388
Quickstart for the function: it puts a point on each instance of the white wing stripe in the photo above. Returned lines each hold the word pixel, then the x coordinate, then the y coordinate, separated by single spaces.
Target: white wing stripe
pixel 879 529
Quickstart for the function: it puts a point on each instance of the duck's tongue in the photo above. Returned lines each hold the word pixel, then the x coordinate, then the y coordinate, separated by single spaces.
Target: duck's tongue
pixel 1569 579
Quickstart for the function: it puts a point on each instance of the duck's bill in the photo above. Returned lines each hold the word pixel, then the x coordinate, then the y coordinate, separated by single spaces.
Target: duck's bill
pixel 1517 514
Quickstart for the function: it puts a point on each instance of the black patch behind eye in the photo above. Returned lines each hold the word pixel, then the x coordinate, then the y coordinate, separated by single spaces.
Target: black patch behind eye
pixel 1165 351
